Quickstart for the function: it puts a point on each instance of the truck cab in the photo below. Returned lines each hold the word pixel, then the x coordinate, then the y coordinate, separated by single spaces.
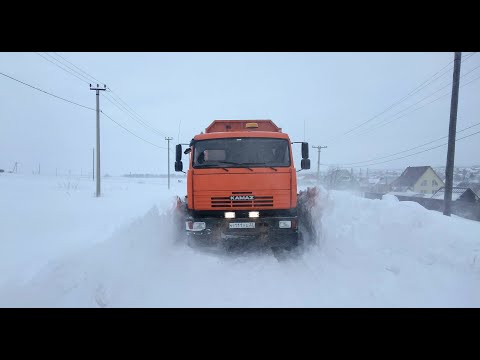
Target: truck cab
pixel 242 184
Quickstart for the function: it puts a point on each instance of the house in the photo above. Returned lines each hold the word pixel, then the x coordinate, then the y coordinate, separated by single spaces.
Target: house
pixel 458 194
pixel 383 184
pixel 419 179
pixel 474 186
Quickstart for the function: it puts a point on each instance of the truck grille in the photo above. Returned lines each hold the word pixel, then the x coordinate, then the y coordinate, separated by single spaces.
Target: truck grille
pixel 225 201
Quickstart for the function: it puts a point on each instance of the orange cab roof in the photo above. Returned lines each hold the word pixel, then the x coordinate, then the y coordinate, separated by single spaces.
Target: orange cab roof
pixel 239 125
pixel 239 134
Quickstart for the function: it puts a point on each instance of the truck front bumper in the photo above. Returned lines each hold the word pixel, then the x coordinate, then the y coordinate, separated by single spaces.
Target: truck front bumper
pixel 270 231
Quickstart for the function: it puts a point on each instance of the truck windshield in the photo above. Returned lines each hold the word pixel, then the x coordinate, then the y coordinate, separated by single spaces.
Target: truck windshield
pixel 241 152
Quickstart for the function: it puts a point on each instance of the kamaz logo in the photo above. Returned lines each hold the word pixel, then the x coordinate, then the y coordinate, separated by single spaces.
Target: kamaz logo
pixel 242 197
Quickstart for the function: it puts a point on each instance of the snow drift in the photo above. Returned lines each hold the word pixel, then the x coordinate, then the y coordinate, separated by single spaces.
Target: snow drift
pixel 369 253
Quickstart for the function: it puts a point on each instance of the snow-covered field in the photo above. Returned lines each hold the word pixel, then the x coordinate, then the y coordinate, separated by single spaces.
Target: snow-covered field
pixel 62 247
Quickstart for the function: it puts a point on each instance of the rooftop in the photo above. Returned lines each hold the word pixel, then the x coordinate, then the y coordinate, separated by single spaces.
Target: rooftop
pixel 410 175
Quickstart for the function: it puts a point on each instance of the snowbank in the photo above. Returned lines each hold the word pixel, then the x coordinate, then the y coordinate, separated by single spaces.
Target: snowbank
pixel 73 250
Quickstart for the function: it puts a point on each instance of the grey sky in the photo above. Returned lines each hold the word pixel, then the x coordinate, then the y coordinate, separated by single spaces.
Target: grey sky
pixel 331 92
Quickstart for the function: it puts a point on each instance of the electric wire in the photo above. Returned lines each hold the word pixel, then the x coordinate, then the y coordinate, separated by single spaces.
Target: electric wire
pixel 160 147
pixel 424 84
pixel 83 106
pixel 46 92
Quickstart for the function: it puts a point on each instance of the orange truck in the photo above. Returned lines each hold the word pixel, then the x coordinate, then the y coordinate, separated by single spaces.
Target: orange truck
pixel 241 185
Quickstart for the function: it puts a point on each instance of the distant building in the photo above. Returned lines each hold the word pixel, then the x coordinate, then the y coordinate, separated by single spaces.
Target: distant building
pixel 341 179
pixel 419 179
pixel 475 186
pixel 383 184
pixel 458 194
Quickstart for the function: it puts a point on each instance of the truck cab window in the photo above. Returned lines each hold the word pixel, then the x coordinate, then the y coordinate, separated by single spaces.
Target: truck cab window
pixel 240 152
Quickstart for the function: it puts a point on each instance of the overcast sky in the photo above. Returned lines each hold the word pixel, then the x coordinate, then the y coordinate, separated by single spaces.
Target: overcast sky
pixel 319 97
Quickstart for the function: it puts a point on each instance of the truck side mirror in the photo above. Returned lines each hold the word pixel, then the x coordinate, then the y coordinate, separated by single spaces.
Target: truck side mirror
pixel 305 164
pixel 305 150
pixel 178 166
pixel 178 154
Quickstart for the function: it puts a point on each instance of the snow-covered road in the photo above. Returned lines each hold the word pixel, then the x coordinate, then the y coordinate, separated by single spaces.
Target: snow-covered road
pixel 62 247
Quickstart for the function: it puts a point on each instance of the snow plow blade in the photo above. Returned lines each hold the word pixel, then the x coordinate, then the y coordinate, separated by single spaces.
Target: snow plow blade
pixel 284 229
pixel 307 202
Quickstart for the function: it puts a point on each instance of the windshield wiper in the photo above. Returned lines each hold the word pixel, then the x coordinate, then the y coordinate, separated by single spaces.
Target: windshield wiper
pixel 235 163
pixel 245 165
pixel 211 166
pixel 271 167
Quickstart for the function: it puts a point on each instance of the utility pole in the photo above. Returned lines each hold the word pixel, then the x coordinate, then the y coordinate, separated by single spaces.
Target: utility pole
pixel 98 89
pixel 319 148
pixel 168 140
pixel 451 135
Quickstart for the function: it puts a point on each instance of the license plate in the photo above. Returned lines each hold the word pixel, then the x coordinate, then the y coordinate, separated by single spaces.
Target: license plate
pixel 242 225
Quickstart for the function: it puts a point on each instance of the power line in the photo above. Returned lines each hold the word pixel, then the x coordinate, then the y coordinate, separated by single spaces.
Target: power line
pixel 46 92
pixel 422 87
pixel 64 69
pixel 441 97
pixel 87 80
pixel 381 124
pixel 133 112
pixel 403 157
pixel 72 69
pixel 86 107
pixel 123 109
pixel 404 151
pixel 160 147
pixel 97 81
pixel 385 121
pixel 125 106
pixel 414 91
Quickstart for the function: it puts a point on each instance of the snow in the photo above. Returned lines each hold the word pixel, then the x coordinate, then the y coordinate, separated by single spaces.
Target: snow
pixel 62 247
pixel 406 193
pixel 389 198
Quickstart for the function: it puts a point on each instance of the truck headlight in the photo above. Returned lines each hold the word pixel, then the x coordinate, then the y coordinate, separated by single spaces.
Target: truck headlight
pixel 253 214
pixel 229 215
pixel 195 226
pixel 284 224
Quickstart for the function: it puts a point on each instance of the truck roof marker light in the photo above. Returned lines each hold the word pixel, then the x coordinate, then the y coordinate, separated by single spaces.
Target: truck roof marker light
pixel 251 125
